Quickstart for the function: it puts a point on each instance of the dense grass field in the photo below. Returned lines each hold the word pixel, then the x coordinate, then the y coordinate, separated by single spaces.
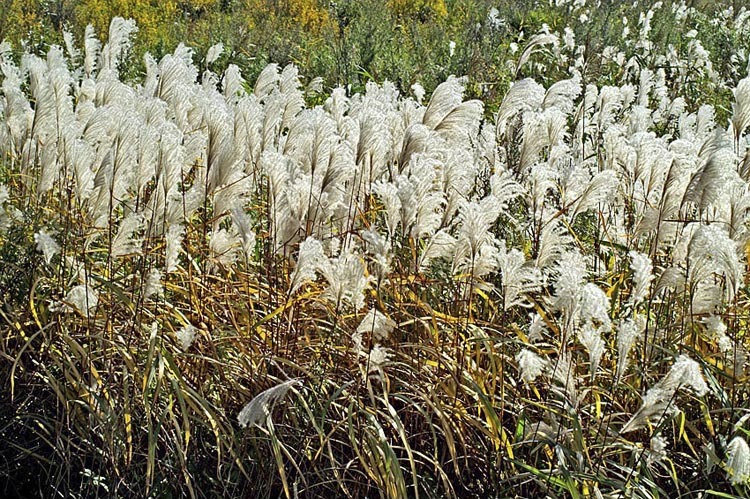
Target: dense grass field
pixel 515 269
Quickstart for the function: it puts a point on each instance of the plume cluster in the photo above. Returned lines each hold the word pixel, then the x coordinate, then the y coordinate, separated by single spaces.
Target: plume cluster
pixel 389 250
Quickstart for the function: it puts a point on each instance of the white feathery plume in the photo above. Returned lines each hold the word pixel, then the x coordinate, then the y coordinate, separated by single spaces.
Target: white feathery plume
pixel 553 242
pixel 542 431
pixel 372 151
pixel 278 170
pixel 504 190
pixel 536 328
pixel 379 248
pixel 70 47
pixel 248 131
pixel 214 52
pixel 658 402
pixel 446 97
pixel 735 353
pixel 609 104
pixel 242 222
pixel 738 462
pixel 440 245
pixel 717 331
pixel 672 278
pixel 594 315
pixel 222 163
pixel 601 186
pixel 562 371
pixel 744 167
pixel 225 246
pixel 98 130
pixel 309 260
pixel 570 272
pixel 376 324
pixel 182 206
pixel 116 176
pixel 293 209
pixel 572 178
pixel 662 202
pixel 462 123
pixel 739 208
pixel 8 216
pixel 459 176
pixel 588 104
pixel 5 51
pixel 267 81
pixel 708 298
pixel 645 85
pixel 705 121
pixel 233 84
pixel 627 333
pixel 91 46
pixel 642 269
pixel 290 88
pixel 639 120
pixel 389 196
pixel 315 86
pixel 258 411
pixel 347 280
pixel 151 80
pixel 655 406
pixel 741 108
pixel 652 164
pixel 377 359
pixel 171 157
pixel 147 163
pixel 418 91
pixel 518 278
pixel 175 79
pixel 486 149
pixel 44 120
pixel 186 335
pixel 707 184
pixel 227 196
pixel 475 251
pixel 322 165
pixel 530 365
pixel 562 95
pixel 535 44
pixel 657 452
pixel 421 203
pixel 17 112
pixel 555 125
pixel 337 106
pixel 153 286
pixel 523 95
pixel 448 115
pixel 665 104
pixel 540 181
pixel 173 238
pixel 712 251
pixel 534 139
pixel 81 298
pixel 126 241
pixel 273 112
pixel 5 217
pixel 416 140
pixel 118 43
pixel 44 243
pixel 112 91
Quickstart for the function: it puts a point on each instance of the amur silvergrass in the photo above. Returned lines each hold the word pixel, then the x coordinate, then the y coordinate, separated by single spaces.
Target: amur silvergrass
pixel 551 302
